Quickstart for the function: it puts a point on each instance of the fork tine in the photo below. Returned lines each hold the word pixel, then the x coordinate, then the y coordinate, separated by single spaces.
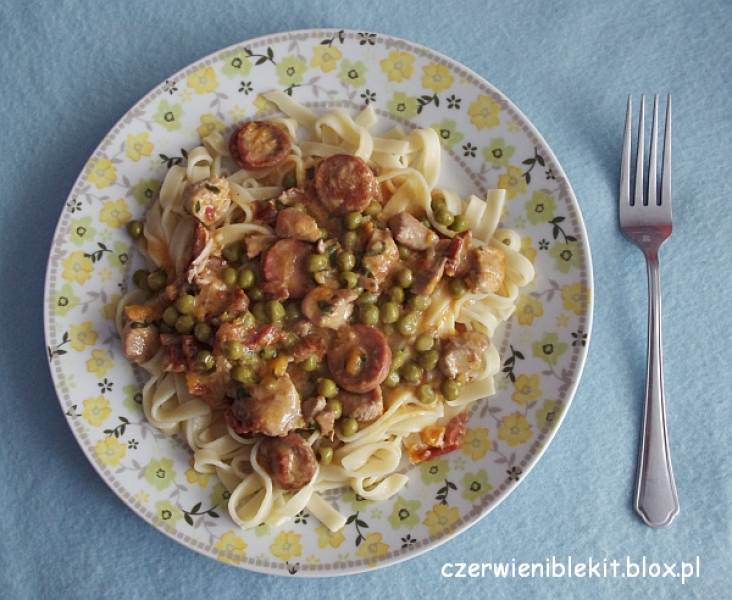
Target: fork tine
pixel 640 150
pixel 624 199
pixel 652 160
pixel 666 174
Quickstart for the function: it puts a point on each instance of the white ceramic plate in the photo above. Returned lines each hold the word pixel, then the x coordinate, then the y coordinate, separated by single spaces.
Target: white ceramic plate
pixel 488 143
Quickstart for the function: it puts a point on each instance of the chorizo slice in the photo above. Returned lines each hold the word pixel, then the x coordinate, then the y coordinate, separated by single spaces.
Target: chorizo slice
pixel 259 145
pixel 345 183
pixel 359 358
pixel 363 407
pixel 297 225
pixel 290 461
pixel 328 307
pixel 283 267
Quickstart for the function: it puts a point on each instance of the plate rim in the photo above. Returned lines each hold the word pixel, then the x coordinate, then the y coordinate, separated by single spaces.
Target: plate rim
pixel 569 394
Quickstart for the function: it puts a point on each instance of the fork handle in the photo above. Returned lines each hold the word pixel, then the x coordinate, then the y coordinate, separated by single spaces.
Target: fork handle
pixel 656 500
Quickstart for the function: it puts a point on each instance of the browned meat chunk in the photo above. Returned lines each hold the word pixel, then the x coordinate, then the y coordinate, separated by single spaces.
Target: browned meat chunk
pixel 312 406
pixel 327 307
pixel 463 356
pixel 298 225
pixel 362 407
pixel 456 252
pixel 487 269
pixel 144 313
pixel 251 337
pixel 140 343
pixel 359 358
pixel 345 183
pixel 381 257
pixel 211 387
pixel 259 145
pixel 284 269
pixel 410 232
pixel 290 461
pixel 208 200
pixel 430 270
pixel 257 243
pixel 273 408
pixel 325 421
pixel 214 296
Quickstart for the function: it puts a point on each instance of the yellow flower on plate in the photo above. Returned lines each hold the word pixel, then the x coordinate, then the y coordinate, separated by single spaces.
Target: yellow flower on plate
pixel 476 485
pixel 436 77
pixel 527 249
pixel 262 105
pixel 203 80
pixel 402 106
pixel 526 389
pixel 238 112
pixel 549 348
pixel 77 267
pixel 514 429
pixel 99 363
pixel 236 64
pixel 168 115
pixel 512 181
pixel 109 310
pixel 160 473
pixel 196 478
pixel 286 545
pixel 398 65
pixel 441 519
pixel 96 410
pixel 82 335
pixel 102 173
pixel 230 548
pixel 484 112
pixel 110 451
pixel 476 443
pixel 328 538
pixel 434 471
pixel 548 414
pixel 372 548
pixel 528 308
pixel 291 70
pixel 138 146
pixel 325 58
pixel 167 513
pixel 114 213
pixel 209 123
pixel 575 297
pixel 65 300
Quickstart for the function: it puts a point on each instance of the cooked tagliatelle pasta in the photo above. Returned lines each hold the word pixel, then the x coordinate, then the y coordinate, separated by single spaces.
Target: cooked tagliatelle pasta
pixel 316 308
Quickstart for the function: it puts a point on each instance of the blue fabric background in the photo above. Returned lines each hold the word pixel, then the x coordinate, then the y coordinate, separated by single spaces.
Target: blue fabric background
pixel 71 69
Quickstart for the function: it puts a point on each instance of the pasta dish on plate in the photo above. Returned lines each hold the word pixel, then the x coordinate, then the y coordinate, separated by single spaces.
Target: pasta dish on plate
pixel 315 307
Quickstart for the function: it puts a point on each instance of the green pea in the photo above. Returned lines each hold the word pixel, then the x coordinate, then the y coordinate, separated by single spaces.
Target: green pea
pixel 438 203
pixel 170 316
pixel 334 405
pixel 369 314
pixel 457 287
pixel 420 302
pixel 186 304
pixel 412 373
pixel 243 374
pixel 389 312
pixel 245 279
pixel 389 329
pixel 373 209
pixel 392 379
pixel 407 325
pixel 250 358
pixel 316 262
pixel 260 312
pixel 405 278
pixel 327 387
pixel 232 253
pixel 292 310
pixel 459 223
pixel 269 352
pixel 157 280
pixel 399 358
pixel 352 220
pixel 404 252
pixel 426 394
pixel 140 279
pixel 229 276
pixel 429 359
pixel 349 279
pixel 275 310
pixel 184 324
pixel 375 248
pixel 135 229
pixel 397 295
pixel 291 340
pixel 311 363
pixel 233 350
pixel 205 361
pixel 367 298
pixel 350 240
pixel 255 294
pixel 346 261
pixel 203 332
pixel 326 455
pixel 444 217
pixel 247 320
pixel 349 426
pixel 450 389
pixel 424 342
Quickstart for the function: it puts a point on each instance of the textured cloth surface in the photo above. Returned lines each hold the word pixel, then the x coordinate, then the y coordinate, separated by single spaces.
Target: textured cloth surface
pixel 71 69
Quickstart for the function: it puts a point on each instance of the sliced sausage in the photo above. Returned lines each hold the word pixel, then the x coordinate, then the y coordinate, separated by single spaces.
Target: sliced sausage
pixel 140 343
pixel 411 232
pixel 487 269
pixel 359 358
pixel 381 257
pixel 298 225
pixel 290 461
pixel 464 356
pixel 273 408
pixel 283 267
pixel 328 307
pixel 345 183
pixel 208 200
pixel 362 407
pixel 259 145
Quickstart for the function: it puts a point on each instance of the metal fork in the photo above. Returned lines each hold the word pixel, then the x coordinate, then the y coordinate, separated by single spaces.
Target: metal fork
pixel 645 220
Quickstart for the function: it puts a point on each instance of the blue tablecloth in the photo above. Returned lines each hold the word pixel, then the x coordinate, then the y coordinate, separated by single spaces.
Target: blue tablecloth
pixel 70 69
